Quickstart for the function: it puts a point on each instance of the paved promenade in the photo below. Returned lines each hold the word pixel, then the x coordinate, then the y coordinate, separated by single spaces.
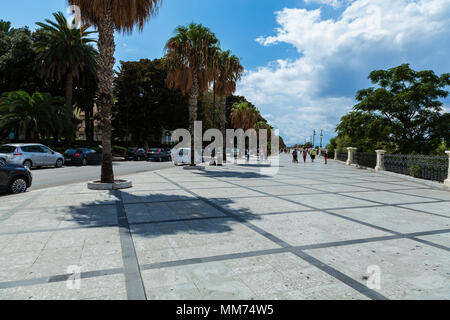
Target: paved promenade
pixel 310 232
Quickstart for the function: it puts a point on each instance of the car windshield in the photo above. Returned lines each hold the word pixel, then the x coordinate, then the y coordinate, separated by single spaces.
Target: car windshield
pixel 7 149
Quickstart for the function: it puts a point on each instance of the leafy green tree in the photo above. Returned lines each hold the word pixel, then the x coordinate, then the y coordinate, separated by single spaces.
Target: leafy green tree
pixel 408 101
pixel 145 105
pixel 190 55
pixel 65 53
pixel 368 131
pixel 17 60
pixel 31 117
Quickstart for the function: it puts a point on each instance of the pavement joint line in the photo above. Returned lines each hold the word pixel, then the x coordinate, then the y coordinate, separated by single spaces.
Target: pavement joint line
pixel 343 193
pixel 405 177
pixel 133 279
pixel 356 198
pixel 19 207
pixel 189 219
pixel 304 256
pixel 344 217
pixel 225 257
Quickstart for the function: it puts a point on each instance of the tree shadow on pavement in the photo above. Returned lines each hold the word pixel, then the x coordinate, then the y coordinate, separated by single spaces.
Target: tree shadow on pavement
pixel 154 214
pixel 231 174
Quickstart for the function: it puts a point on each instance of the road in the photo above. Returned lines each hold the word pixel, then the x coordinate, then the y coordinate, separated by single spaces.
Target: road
pixel 52 177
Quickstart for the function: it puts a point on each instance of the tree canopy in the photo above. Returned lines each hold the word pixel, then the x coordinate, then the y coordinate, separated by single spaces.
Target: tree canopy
pixel 402 114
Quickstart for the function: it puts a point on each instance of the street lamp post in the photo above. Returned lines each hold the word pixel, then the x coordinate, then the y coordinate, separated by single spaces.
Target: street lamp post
pixel 314 138
pixel 321 137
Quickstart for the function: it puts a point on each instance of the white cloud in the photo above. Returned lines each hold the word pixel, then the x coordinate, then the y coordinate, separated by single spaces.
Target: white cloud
pixel 332 3
pixel 315 88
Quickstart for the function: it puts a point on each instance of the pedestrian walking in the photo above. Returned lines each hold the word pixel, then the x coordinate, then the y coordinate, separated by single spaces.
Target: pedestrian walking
pixel 313 155
pixel 325 155
pixel 304 154
pixel 294 156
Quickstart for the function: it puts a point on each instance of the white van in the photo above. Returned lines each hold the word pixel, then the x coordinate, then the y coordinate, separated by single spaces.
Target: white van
pixel 183 156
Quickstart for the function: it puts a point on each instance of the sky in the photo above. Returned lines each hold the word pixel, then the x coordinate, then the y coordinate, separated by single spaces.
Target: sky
pixel 304 59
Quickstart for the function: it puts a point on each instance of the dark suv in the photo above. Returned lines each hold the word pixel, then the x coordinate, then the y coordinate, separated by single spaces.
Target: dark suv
pixel 14 178
pixel 158 155
pixel 136 154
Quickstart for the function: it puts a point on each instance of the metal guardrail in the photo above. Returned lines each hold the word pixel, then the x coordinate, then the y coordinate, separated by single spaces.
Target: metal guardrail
pixel 342 156
pixel 419 166
pixel 366 159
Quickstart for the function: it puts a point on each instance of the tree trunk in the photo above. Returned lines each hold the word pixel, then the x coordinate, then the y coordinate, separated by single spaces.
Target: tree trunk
pixel 106 48
pixel 69 93
pixel 223 115
pixel 87 123
pixel 193 101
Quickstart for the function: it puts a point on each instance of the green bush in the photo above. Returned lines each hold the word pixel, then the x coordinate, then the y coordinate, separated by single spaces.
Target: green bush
pixel 414 170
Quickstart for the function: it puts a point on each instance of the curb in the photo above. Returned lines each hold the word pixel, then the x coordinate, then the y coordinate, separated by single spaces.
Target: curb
pixel 117 185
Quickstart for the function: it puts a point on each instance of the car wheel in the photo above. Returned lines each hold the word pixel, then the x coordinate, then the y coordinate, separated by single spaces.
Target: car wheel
pixel 84 162
pixel 59 163
pixel 27 164
pixel 19 185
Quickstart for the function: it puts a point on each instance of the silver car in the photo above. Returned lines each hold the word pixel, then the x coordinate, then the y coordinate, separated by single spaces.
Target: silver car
pixel 31 155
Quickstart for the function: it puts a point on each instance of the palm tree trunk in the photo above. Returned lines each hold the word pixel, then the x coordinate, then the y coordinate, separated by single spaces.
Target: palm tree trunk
pixel 87 123
pixel 106 48
pixel 69 93
pixel 193 101
pixel 223 114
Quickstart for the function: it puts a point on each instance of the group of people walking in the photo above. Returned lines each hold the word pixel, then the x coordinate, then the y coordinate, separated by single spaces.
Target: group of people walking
pixel 305 152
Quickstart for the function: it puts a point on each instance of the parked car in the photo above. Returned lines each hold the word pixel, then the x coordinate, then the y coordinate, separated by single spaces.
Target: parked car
pixel 31 155
pixel 14 178
pixel 82 156
pixel 183 156
pixel 158 155
pixel 135 154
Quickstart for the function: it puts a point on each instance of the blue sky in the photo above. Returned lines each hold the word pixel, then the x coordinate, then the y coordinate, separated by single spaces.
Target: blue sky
pixel 305 59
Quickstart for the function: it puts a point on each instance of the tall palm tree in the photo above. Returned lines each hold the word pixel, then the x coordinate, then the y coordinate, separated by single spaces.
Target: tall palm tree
pixel 64 53
pixel 190 56
pixel 244 116
pixel 229 71
pixel 109 16
pixel 35 116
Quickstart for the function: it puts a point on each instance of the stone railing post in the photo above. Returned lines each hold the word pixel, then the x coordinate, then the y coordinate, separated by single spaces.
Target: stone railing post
pixel 335 154
pixel 351 155
pixel 447 181
pixel 380 160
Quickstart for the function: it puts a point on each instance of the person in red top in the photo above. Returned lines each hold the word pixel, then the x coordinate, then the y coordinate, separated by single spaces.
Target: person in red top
pixel 325 155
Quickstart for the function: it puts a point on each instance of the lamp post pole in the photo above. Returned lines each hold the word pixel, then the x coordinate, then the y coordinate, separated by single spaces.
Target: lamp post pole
pixel 314 138
pixel 321 138
pixel 214 103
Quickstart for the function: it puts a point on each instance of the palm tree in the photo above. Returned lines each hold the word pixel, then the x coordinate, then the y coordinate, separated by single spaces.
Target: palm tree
pixel 190 56
pixel 229 71
pixel 40 115
pixel 109 16
pixel 244 115
pixel 64 53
